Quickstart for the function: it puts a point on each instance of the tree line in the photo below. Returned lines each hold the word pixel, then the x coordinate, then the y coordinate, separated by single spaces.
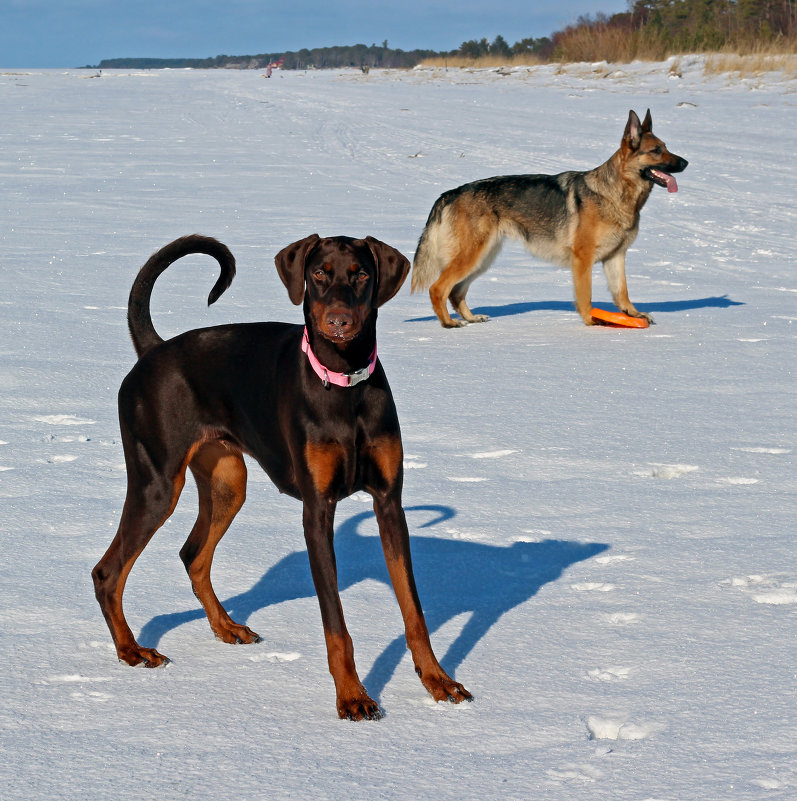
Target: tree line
pixel 655 29
pixel 651 29
pixel 358 55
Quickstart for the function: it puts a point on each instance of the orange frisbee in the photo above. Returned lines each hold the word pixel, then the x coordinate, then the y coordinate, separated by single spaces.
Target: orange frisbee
pixel 617 318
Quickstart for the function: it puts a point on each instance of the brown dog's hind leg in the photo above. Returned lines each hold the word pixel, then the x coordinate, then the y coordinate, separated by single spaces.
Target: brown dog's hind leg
pixel 220 475
pixel 147 506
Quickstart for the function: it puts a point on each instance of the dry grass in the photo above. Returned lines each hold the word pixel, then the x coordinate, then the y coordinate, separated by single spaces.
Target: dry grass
pixel 752 64
pixel 610 44
pixel 484 62
pixel 747 58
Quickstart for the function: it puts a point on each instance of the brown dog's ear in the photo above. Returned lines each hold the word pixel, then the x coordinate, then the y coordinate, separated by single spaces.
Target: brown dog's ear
pixel 290 266
pixel 647 123
pixel 392 267
pixel 632 135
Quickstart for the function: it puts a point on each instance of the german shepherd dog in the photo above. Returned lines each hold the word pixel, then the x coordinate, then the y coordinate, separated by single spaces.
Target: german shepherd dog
pixel 572 219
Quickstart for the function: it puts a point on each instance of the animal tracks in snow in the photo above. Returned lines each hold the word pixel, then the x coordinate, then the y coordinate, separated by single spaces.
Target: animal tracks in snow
pixel 79 682
pixel 64 430
pixel 275 657
pixel 612 726
pixel 770 451
pixel 482 455
pixel 614 673
pixel 74 678
pixel 593 586
pixel 581 774
pixel 668 471
pixel 624 618
pixel 62 458
pixel 66 438
pixel 765 589
pixel 493 454
pixel 64 420
pixel 618 728
pixel 613 558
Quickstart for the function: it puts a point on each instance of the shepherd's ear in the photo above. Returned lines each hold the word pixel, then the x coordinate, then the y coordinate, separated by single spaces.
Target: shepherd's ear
pixel 290 263
pixel 392 268
pixel 647 123
pixel 632 135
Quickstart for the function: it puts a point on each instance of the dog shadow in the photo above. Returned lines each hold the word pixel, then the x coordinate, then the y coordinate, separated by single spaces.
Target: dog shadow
pixel 453 577
pixel 664 307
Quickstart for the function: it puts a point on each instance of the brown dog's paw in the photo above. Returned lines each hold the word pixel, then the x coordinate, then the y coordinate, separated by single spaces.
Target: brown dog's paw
pixel 457 694
pixel 147 657
pixel 444 688
pixel 236 634
pixel 359 708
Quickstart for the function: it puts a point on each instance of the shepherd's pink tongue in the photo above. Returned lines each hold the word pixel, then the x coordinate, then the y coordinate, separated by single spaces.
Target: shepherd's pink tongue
pixel 672 184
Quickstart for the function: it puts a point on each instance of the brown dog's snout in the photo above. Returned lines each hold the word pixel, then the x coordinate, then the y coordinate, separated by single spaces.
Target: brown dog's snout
pixel 339 319
pixel 339 323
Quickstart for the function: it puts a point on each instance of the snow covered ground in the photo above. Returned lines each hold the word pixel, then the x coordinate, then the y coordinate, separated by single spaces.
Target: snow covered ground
pixel 603 520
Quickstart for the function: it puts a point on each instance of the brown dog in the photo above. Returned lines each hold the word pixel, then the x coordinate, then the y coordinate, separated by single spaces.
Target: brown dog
pixel 572 219
pixel 313 407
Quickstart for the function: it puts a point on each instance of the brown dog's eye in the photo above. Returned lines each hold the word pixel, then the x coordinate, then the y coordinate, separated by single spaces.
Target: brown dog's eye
pixel 358 274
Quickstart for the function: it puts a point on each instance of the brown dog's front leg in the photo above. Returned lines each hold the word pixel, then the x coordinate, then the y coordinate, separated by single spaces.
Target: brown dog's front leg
pixel 396 544
pixel 353 701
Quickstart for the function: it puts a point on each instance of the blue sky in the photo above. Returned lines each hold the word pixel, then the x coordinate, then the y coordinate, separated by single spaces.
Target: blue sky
pixel 74 33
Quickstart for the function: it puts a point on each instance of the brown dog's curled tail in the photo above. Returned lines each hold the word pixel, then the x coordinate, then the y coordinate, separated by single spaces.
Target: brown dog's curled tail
pixel 139 319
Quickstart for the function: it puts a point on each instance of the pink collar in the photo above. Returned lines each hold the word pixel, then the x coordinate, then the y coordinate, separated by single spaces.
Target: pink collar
pixel 331 377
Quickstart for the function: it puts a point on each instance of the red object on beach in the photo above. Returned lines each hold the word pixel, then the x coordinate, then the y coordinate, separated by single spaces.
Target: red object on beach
pixel 618 318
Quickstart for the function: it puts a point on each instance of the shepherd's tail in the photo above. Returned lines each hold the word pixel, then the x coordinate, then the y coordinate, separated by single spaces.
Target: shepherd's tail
pixel 139 319
pixel 431 253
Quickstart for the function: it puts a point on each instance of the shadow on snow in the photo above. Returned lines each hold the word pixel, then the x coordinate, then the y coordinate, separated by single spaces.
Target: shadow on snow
pixel 453 577
pixel 665 307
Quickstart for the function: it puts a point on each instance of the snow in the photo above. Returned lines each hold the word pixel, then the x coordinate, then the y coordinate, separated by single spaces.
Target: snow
pixel 602 520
